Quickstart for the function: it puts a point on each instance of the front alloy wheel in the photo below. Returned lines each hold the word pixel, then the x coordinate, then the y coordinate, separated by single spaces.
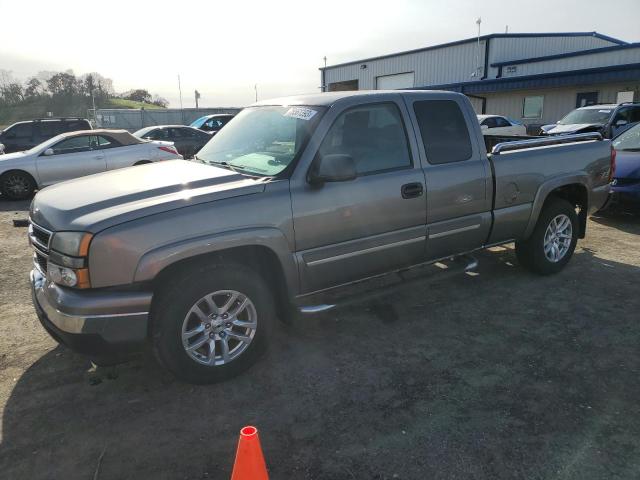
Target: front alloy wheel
pixel 211 322
pixel 219 327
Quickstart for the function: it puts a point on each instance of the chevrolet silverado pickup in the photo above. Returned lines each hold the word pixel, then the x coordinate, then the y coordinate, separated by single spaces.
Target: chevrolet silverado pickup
pixel 295 198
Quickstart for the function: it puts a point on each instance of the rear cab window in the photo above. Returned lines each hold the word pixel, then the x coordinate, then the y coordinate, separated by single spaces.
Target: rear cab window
pixel 443 130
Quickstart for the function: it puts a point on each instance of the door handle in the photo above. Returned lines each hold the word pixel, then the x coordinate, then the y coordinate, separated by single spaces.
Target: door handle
pixel 412 190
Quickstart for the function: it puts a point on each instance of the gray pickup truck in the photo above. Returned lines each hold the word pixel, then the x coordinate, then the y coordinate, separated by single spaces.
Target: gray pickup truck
pixel 295 199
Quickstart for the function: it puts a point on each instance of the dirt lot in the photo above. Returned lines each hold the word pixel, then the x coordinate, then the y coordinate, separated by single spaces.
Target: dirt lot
pixel 498 375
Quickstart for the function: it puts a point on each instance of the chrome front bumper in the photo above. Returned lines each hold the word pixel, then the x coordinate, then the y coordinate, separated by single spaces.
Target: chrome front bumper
pixel 107 318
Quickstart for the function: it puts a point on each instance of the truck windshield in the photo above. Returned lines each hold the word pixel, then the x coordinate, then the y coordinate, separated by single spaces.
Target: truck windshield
pixel 262 141
pixel 628 141
pixel 588 115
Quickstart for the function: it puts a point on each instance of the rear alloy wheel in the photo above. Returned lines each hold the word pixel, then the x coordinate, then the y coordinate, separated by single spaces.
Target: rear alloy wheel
pixel 553 240
pixel 17 185
pixel 213 323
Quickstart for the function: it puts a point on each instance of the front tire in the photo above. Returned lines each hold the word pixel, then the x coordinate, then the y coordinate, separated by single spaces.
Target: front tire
pixel 213 323
pixel 17 185
pixel 553 241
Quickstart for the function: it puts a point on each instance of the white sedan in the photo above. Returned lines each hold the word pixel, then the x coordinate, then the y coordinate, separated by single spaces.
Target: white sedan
pixel 499 125
pixel 76 154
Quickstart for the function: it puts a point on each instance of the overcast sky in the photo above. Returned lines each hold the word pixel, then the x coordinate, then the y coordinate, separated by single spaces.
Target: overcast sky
pixel 224 48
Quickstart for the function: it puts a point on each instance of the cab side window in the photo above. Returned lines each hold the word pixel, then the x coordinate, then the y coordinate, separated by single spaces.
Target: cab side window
pixel 490 122
pixel 73 145
pixel 373 135
pixel 22 131
pixel 501 122
pixel 444 131
pixel 105 142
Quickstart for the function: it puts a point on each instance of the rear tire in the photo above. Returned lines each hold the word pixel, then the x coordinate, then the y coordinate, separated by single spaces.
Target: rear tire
pixel 200 301
pixel 17 185
pixel 553 241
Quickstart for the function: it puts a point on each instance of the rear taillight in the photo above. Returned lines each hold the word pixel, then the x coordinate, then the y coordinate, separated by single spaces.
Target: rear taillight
pixel 612 167
pixel 169 149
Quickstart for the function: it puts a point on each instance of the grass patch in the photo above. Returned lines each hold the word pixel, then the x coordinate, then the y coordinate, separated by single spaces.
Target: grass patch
pixel 122 103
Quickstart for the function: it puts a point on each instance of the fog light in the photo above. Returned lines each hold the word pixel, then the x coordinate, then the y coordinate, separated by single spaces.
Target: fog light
pixel 62 275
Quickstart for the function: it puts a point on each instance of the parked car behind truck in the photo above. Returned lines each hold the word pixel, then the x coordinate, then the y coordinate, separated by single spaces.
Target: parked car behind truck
pixel 76 154
pixel 608 120
pixel 25 135
pixel 187 140
pixel 294 199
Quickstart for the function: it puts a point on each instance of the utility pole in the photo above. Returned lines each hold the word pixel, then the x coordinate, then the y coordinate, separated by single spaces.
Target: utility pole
pixel 323 87
pixel 506 29
pixel 478 22
pixel 255 87
pixel 197 95
pixel 180 90
pixel 95 114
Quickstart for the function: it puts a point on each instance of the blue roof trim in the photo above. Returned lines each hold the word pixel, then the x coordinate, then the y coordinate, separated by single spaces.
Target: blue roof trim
pixel 482 37
pixel 565 55
pixel 573 77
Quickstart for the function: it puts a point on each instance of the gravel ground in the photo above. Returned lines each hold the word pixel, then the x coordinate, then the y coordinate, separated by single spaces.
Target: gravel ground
pixel 497 375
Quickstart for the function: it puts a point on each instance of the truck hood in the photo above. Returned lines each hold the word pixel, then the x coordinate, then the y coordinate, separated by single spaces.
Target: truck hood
pixel 571 128
pixel 100 201
pixel 627 164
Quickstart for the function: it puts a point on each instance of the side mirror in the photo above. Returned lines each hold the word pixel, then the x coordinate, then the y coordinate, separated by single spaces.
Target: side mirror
pixel 48 151
pixel 484 127
pixel 619 123
pixel 334 168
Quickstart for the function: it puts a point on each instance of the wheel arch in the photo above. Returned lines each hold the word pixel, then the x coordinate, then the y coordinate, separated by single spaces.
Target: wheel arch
pixel 21 170
pixel 272 260
pixel 574 190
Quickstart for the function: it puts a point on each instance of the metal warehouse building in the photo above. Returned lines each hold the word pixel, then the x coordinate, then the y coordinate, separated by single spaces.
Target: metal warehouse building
pixel 534 77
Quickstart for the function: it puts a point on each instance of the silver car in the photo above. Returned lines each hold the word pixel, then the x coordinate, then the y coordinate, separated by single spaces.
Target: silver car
pixel 76 154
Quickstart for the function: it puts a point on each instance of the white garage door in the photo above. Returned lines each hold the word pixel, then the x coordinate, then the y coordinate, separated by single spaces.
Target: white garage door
pixel 393 82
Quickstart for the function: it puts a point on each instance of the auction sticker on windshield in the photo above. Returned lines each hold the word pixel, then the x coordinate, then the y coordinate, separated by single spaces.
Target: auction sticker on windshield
pixel 301 113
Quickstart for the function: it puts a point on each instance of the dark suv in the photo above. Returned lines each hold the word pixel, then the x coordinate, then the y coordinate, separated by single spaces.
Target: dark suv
pixel 24 135
pixel 607 119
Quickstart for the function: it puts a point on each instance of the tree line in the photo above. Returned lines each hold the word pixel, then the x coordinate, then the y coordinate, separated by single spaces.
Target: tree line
pixel 57 88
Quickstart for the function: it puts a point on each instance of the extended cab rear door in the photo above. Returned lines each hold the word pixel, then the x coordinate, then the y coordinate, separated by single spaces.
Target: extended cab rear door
pixel 458 176
pixel 375 223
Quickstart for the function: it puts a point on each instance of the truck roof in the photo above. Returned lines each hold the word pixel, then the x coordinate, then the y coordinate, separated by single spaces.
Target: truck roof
pixel 327 99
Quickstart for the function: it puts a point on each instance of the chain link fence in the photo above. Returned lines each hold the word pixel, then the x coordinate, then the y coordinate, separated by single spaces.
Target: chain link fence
pixel 135 119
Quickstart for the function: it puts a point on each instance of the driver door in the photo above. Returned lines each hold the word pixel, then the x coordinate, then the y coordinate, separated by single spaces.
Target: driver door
pixel 375 223
pixel 71 158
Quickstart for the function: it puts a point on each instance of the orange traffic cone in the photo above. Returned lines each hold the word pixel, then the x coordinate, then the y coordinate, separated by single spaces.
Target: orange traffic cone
pixel 249 464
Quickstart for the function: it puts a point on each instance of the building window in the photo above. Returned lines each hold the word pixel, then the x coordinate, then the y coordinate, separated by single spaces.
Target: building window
pixel 343 86
pixel 532 107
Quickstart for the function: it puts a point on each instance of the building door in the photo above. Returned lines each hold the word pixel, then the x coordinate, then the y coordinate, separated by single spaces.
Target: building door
pixel 343 86
pixel 584 99
pixel 395 82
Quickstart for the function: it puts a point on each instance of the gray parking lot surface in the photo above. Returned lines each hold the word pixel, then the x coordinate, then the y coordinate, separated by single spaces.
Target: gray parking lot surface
pixel 502 374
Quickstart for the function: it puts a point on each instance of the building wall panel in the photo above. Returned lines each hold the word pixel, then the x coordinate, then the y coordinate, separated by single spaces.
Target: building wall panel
pixel 557 102
pixel 432 67
pixel 594 60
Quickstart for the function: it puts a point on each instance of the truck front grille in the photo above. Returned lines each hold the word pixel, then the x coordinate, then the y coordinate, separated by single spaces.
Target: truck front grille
pixel 39 239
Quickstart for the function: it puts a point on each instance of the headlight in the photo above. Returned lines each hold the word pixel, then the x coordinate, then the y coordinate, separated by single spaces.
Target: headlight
pixel 68 277
pixel 71 243
pixel 68 254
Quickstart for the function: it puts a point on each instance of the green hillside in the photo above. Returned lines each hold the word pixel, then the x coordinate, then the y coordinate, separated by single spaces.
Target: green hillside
pixel 74 107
